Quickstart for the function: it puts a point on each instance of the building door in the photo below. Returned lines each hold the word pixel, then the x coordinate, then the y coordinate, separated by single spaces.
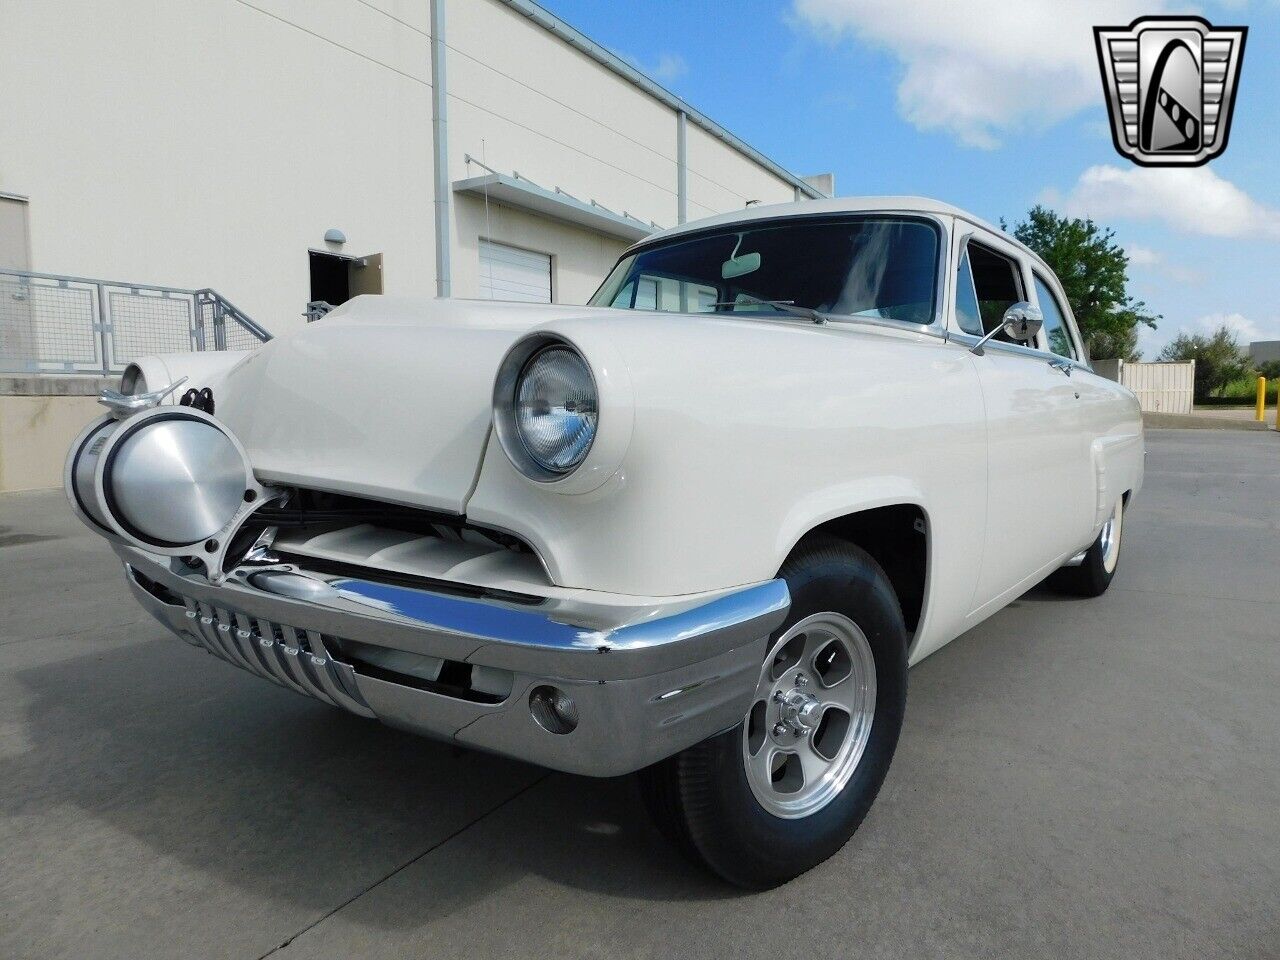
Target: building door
pixel 509 273
pixel 335 279
pixel 15 234
pixel 18 351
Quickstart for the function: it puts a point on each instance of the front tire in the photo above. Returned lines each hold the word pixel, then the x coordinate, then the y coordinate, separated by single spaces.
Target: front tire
pixel 785 789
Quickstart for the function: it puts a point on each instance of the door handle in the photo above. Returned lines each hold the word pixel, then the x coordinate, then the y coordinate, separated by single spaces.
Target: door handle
pixel 1062 365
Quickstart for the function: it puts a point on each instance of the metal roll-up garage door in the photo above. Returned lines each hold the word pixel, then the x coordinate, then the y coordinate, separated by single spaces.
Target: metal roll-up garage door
pixel 509 273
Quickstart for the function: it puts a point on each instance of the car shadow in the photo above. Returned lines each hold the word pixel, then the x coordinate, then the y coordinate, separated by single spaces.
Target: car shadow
pixel 1044 593
pixel 243 783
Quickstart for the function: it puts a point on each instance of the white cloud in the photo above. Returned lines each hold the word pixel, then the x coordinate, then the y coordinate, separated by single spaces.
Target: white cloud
pixel 1193 200
pixel 1244 328
pixel 979 74
pixel 667 68
pixel 1142 256
pixel 670 66
pixel 1146 259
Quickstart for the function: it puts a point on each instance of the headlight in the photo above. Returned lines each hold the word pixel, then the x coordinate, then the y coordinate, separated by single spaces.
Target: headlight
pixel 133 382
pixel 556 409
pixel 548 413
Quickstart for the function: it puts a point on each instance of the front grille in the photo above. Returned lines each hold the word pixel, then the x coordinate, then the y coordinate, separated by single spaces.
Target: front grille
pixel 296 659
pixel 304 660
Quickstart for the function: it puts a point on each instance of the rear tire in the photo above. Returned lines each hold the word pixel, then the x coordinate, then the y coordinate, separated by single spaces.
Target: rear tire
pixel 734 803
pixel 1101 561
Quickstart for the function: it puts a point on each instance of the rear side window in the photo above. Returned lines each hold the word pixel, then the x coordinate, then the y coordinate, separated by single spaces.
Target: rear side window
pixel 1055 323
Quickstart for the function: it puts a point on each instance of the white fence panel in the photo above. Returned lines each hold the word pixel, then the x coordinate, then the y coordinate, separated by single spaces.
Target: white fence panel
pixel 1161 387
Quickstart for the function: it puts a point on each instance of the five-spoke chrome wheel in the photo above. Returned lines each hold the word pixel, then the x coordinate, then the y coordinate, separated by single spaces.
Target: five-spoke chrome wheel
pixel 811 719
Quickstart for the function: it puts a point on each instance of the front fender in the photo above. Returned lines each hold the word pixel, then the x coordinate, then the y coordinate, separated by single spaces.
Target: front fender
pixel 843 499
pixel 746 434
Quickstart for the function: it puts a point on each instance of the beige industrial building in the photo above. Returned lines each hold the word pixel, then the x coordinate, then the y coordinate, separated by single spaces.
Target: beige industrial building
pixel 225 167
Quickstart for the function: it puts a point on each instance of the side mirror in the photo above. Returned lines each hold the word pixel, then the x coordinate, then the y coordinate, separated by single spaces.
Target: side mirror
pixel 1021 322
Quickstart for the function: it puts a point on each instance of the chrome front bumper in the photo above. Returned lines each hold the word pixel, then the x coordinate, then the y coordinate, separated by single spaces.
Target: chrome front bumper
pixel 647 680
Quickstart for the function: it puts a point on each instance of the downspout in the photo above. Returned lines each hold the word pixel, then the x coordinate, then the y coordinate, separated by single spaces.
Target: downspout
pixel 682 167
pixel 440 149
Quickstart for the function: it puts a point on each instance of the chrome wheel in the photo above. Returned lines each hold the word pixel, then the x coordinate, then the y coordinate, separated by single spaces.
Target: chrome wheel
pixel 809 725
pixel 1109 539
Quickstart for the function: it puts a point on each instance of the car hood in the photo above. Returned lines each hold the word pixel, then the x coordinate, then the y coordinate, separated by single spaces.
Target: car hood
pixel 385 397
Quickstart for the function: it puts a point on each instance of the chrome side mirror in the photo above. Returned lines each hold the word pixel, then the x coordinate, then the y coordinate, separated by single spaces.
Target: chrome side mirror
pixel 1021 322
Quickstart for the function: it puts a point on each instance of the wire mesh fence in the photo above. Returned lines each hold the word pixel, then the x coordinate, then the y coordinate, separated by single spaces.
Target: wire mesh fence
pixel 59 324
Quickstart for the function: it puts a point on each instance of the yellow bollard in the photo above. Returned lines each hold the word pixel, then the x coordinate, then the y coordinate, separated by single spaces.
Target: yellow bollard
pixel 1262 399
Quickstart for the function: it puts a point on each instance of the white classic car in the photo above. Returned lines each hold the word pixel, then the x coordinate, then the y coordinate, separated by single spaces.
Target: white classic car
pixel 698 529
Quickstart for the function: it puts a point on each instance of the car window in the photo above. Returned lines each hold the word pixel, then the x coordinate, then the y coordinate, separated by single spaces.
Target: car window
pixel 997 285
pixel 644 292
pixel 877 267
pixel 1055 324
pixel 968 313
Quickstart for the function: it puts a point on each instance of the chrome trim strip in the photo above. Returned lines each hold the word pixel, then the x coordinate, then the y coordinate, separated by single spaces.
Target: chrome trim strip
pixel 222 631
pixel 968 340
pixel 274 658
pixel 328 677
pixel 243 634
pixel 291 655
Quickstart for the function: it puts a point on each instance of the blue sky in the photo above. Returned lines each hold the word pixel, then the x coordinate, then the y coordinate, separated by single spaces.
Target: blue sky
pixel 991 106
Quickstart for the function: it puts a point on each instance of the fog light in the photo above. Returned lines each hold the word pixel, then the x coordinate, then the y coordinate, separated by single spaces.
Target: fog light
pixel 553 710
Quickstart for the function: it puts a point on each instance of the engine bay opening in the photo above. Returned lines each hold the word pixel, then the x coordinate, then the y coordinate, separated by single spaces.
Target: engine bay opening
pixel 349 536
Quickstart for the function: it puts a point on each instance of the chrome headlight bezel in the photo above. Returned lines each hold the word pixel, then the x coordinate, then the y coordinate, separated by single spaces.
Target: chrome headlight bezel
pixel 506 391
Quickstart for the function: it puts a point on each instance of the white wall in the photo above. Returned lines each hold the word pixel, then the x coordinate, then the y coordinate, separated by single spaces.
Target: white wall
pixel 197 143
pixel 529 102
pixel 203 143
pixel 722 179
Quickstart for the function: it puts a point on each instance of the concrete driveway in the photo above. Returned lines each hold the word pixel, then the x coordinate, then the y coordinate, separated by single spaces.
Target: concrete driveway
pixel 1086 779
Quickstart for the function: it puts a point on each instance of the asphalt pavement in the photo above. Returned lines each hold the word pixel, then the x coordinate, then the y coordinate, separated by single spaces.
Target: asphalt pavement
pixel 1076 779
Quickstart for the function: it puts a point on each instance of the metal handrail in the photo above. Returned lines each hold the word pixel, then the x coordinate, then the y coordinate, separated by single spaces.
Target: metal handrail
pixel 237 314
pixel 61 323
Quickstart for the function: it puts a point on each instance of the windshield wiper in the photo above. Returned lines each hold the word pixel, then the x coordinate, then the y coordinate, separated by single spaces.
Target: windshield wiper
pixel 782 306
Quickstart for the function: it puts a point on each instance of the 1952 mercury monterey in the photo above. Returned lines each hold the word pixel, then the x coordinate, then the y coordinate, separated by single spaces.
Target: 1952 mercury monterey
pixel 697 529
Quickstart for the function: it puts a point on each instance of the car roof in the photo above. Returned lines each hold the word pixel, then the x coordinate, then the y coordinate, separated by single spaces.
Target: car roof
pixel 832 205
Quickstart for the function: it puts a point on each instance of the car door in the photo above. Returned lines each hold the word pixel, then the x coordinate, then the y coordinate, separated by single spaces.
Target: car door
pixel 1108 435
pixel 1035 503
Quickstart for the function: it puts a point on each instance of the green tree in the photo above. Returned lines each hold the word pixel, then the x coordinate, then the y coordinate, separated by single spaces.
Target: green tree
pixel 1093 270
pixel 1219 359
pixel 1269 369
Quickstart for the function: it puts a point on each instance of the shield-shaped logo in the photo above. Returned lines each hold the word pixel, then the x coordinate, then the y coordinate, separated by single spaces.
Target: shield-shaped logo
pixel 1170 84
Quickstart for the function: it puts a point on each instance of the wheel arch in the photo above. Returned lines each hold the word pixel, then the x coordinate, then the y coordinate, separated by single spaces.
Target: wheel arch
pixel 897 536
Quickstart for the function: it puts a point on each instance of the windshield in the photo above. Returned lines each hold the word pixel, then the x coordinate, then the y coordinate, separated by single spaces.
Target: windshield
pixel 878 267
